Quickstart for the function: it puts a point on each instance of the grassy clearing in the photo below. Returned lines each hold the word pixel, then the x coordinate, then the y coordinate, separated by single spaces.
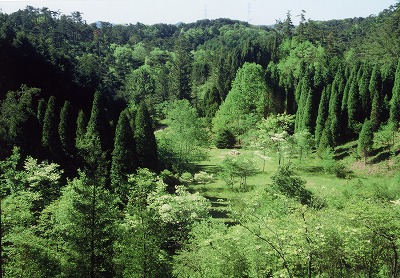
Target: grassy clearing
pixel 324 185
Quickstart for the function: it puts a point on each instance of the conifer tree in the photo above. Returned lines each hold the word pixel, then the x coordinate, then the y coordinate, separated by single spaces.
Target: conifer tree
pixel 375 89
pixel 81 125
pixel 41 110
pixel 66 129
pixel 84 228
pixel 395 101
pixel 146 147
pixel 50 138
pixel 326 140
pixel 353 106
pixel 181 71
pixel 308 121
pixel 334 107
pixel 96 142
pixel 122 157
pixel 322 113
pixel 364 91
pixel 365 140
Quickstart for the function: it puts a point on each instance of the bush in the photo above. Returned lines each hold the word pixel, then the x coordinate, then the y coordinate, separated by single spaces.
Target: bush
pixel 292 186
pixel 225 139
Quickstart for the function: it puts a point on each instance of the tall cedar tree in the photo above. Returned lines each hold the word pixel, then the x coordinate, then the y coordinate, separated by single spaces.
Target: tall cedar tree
pixel 50 139
pixel 41 110
pixel 81 125
pixel 354 107
pixel 364 91
pixel 326 140
pixel 146 147
pixel 334 108
pixel 395 101
pixel 322 113
pixel 375 89
pixel 122 157
pixel 95 143
pixel 66 129
pixel 181 71
pixel 365 140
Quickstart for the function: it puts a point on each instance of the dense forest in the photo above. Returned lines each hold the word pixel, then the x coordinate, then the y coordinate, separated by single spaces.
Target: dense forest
pixel 107 134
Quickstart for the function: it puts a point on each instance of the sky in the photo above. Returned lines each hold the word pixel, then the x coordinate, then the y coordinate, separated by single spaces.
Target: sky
pixel 257 12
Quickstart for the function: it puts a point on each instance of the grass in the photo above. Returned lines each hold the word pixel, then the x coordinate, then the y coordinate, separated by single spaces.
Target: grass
pixel 324 185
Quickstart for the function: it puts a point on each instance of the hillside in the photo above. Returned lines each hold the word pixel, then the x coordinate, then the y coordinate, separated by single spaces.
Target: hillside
pixel 210 149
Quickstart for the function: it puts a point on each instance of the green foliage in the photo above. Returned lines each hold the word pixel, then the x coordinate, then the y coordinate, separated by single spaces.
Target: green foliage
pixel 81 124
pixel 81 224
pixel 304 142
pixel 185 139
pixel 395 100
pixel 240 167
pixel 123 156
pixel 18 122
pixel 145 141
pixel 365 140
pixel 245 103
pixel 322 113
pixel 41 110
pixel 225 139
pixel 375 88
pixel 285 181
pixel 66 129
pixel 95 144
pixel 50 138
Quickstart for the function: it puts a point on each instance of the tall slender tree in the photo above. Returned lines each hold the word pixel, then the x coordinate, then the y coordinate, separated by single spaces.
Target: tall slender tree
pixel 81 125
pixel 41 110
pixel 122 157
pixel 146 146
pixel 365 140
pixel 66 129
pixel 322 113
pixel 375 89
pixel 50 139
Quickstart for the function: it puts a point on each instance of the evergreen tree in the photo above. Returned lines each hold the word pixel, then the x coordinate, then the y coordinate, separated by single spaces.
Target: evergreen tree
pixel 364 91
pixel 81 125
pixel 96 142
pixel 122 157
pixel 50 139
pixel 365 140
pixel 181 71
pixel 66 129
pixel 211 104
pixel 41 110
pixel 334 108
pixel 146 147
pixel 395 101
pixel 82 227
pixel 354 107
pixel 375 89
pixel 326 140
pixel 322 113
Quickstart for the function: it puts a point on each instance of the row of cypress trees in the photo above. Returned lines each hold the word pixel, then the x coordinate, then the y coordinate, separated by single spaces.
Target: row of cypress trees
pixel 71 140
pixel 336 112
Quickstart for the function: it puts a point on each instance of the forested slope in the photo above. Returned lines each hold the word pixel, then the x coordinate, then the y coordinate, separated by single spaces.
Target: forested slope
pixel 88 189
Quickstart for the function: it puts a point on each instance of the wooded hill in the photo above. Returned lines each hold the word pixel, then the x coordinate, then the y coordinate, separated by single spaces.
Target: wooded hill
pixel 82 173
